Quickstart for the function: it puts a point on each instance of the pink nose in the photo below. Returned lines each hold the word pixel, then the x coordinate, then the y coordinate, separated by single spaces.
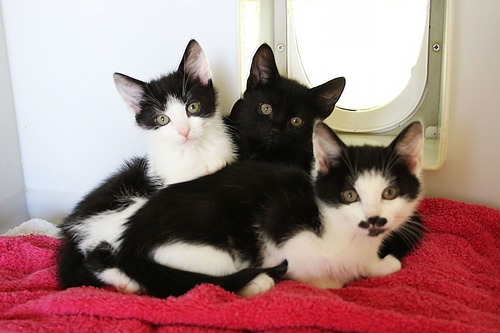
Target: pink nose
pixel 185 132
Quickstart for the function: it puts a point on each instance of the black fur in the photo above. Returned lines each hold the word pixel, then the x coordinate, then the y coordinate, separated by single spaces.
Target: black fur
pixel 273 138
pixel 228 210
pixel 246 204
pixel 147 101
pixel 131 180
pixel 354 161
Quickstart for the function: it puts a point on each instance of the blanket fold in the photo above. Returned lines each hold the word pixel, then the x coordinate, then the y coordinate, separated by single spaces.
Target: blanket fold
pixel 450 283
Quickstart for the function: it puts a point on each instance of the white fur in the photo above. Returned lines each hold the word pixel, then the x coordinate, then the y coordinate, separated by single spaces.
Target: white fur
pixel 184 149
pixel 106 226
pixel 197 258
pixel 344 251
pixel 189 147
pixel 115 277
pixel 260 284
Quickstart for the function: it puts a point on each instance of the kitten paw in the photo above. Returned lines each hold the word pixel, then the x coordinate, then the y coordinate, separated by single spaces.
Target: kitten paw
pixel 386 266
pixel 114 277
pixel 260 284
pixel 214 165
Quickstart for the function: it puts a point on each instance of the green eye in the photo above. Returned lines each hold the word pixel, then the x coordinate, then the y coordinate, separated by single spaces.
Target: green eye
pixel 193 107
pixel 390 193
pixel 266 109
pixel 350 196
pixel 162 120
pixel 297 121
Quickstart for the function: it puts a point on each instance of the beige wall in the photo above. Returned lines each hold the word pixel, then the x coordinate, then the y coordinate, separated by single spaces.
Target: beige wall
pixel 472 169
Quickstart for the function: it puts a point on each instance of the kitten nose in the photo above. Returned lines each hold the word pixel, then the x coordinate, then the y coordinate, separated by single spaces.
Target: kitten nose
pixel 184 131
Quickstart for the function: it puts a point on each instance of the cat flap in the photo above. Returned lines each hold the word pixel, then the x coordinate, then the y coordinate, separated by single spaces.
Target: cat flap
pixel 194 63
pixel 327 147
pixel 131 90
pixel 410 145
pixel 327 95
pixel 263 69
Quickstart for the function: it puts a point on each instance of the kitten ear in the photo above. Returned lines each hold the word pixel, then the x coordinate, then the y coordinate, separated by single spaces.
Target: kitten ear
pixel 263 69
pixel 237 112
pixel 194 63
pixel 327 148
pixel 410 145
pixel 131 90
pixel 327 95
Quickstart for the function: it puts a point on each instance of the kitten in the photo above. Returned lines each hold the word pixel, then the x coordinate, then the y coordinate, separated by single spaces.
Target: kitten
pixel 242 227
pixel 275 118
pixel 187 139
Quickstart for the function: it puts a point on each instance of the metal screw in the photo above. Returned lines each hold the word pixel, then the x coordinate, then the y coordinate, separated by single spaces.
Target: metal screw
pixel 280 47
pixel 436 47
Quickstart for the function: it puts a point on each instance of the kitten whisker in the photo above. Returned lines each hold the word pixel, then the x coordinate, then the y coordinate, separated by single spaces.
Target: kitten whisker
pixel 411 231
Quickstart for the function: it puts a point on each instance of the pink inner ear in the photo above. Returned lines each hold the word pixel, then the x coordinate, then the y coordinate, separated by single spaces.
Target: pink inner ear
pixel 414 164
pixel 323 165
pixel 199 66
pixel 326 148
pixel 412 148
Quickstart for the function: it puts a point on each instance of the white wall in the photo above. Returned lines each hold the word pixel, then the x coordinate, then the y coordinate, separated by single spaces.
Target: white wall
pixel 12 199
pixel 74 129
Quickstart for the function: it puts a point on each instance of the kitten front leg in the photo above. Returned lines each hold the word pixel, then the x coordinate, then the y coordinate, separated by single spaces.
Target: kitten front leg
pixel 116 278
pixel 214 164
pixel 260 284
pixel 385 266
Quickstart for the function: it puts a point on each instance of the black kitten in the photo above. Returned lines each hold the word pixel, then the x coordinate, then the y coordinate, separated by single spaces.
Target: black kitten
pixel 275 118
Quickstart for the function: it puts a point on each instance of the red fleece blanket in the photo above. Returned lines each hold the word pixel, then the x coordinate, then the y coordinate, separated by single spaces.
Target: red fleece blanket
pixel 451 283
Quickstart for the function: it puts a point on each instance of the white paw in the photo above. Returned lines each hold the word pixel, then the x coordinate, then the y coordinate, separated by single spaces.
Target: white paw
pixel 214 165
pixel 116 278
pixel 386 266
pixel 260 284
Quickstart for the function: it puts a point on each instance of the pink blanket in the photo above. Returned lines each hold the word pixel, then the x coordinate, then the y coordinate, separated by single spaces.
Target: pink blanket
pixel 451 283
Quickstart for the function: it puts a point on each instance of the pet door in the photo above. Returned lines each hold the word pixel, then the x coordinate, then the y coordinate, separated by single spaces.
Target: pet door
pixel 389 51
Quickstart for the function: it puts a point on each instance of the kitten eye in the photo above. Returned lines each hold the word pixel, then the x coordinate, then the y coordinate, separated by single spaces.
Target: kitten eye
pixel 297 121
pixel 390 193
pixel 266 109
pixel 162 120
pixel 350 196
pixel 193 107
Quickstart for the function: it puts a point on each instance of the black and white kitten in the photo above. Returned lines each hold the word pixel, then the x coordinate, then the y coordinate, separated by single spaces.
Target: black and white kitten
pixel 274 119
pixel 354 216
pixel 188 139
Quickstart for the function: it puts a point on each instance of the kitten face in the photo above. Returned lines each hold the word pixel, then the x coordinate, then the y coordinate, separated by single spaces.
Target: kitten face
pixel 371 190
pixel 276 116
pixel 173 106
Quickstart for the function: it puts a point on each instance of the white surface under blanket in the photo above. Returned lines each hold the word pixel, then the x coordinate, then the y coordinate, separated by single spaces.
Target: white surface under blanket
pixel 34 226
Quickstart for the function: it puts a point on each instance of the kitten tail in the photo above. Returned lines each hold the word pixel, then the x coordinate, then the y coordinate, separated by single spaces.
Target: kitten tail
pixel 162 281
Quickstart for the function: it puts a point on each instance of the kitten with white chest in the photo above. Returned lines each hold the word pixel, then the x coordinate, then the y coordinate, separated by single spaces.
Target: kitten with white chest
pixel 241 228
pixel 187 139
